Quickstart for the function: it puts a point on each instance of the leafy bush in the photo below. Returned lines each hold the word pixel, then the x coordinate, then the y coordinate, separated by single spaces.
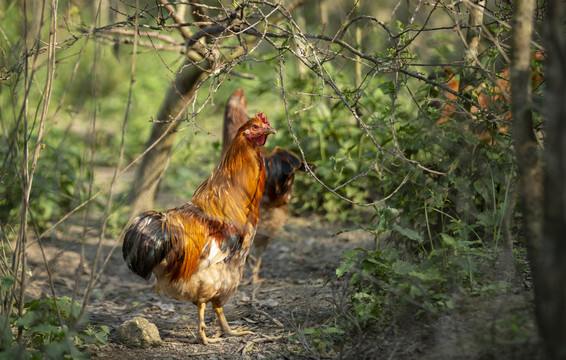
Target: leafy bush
pixel 383 281
pixel 50 327
pixel 447 222
pixel 56 188
pixel 331 139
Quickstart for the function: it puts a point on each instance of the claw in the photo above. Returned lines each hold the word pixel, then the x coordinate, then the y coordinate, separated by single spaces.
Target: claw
pixel 238 332
pixel 226 330
pixel 207 341
pixel 254 263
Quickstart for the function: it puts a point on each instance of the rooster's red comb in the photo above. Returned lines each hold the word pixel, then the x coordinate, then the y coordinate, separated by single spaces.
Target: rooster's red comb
pixel 262 117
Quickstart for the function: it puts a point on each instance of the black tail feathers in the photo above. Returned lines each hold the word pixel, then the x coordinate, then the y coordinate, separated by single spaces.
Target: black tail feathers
pixel 145 244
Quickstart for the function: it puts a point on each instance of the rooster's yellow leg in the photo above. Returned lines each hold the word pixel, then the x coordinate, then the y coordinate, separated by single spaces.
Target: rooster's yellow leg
pixel 201 326
pixel 224 324
pixel 255 270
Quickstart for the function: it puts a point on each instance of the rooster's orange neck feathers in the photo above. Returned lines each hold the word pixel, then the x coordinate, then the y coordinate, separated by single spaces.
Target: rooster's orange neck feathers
pixel 234 189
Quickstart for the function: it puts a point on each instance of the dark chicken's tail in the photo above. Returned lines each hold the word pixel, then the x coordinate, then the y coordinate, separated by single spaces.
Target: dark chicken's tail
pixel 146 243
pixel 303 168
pixel 280 167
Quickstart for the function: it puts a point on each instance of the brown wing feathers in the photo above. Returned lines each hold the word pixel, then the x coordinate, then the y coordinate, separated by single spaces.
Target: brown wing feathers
pixel 186 233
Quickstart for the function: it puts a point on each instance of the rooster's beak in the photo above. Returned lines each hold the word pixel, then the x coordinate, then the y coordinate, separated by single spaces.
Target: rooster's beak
pixel 270 130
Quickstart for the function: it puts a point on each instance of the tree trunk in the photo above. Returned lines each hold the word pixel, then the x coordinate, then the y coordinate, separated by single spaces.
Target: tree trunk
pixel 526 147
pixel 529 162
pixel 543 195
pixel 551 289
pixel 160 142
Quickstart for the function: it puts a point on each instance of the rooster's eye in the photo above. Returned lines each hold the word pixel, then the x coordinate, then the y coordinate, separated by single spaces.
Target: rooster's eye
pixel 255 127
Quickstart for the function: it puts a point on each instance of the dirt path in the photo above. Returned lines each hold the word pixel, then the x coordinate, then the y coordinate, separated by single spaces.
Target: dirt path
pixel 294 295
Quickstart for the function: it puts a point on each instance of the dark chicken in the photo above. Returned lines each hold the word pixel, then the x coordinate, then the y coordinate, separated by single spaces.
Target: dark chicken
pixel 234 116
pixel 281 166
pixel 197 251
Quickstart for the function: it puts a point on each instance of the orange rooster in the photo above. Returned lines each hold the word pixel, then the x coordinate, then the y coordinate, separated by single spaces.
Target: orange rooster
pixel 488 95
pixel 451 83
pixel 281 165
pixel 197 251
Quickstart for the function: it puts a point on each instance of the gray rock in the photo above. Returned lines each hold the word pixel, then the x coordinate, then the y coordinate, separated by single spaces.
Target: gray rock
pixel 139 332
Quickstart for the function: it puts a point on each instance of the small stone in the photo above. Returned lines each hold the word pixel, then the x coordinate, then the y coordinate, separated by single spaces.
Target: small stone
pixel 268 303
pixel 139 332
pixel 244 298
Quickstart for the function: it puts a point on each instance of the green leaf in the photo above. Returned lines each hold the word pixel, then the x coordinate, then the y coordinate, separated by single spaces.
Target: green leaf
pixel 7 336
pixel 6 282
pixel 102 335
pixel 448 240
pixel 342 269
pixel 408 233
pixel 388 87
pixel 349 254
pixel 28 319
pixel 402 267
pixel 333 330
pixel 47 329
pixel 309 331
pixel 357 227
